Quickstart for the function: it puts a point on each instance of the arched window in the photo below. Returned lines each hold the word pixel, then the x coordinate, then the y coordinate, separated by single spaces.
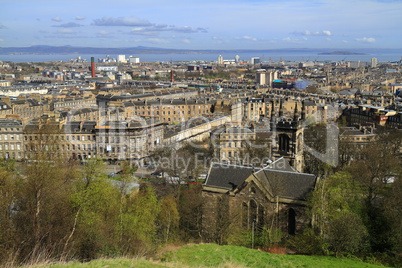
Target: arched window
pixel 253 211
pixel 291 221
pixel 244 212
pixel 284 143
pixel 261 219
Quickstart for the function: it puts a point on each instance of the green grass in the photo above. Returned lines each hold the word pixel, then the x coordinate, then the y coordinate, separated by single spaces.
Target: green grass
pixel 210 255
pixel 106 263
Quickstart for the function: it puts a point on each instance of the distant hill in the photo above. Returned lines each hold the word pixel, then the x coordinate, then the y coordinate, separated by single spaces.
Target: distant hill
pixel 341 53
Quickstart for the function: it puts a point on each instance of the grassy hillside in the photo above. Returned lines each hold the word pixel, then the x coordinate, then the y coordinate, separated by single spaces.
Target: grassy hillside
pixel 209 255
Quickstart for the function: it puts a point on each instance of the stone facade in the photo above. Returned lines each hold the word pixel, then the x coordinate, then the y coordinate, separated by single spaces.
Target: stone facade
pixel 241 198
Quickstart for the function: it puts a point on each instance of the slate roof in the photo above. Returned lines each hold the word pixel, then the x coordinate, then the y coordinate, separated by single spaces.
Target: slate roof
pixel 227 176
pixel 279 179
pixel 292 185
pixel 281 164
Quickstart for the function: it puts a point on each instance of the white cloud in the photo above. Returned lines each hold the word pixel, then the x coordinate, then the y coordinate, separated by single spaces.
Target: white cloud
pixel 68 25
pixel 186 41
pixel 246 37
pixel 366 39
pixel 157 41
pixel 121 21
pixel 151 29
pixel 325 32
pixel 79 18
pixel 65 31
pixel 57 19
pixel 103 33
pixel 294 40
pixel 309 33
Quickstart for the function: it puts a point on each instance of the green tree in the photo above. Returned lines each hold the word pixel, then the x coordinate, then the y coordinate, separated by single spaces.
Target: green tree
pixel 190 209
pixel 168 218
pixel 336 207
pixel 8 177
pixel 138 226
pixel 42 197
pixel 95 202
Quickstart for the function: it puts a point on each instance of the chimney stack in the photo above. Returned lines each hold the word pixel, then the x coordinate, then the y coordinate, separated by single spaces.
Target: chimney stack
pixel 92 66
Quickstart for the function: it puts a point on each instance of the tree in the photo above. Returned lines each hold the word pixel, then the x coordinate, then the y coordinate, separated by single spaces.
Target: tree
pixel 82 192
pixel 42 197
pixel 139 227
pixel 168 218
pixel 96 205
pixel 8 177
pixel 190 209
pixel 336 208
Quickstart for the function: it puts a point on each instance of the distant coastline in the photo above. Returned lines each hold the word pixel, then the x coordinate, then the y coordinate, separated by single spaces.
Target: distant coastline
pixel 341 53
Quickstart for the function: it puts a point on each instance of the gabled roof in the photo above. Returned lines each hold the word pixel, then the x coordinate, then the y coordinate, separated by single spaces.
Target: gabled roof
pixel 285 184
pixel 227 176
pixel 280 164
pixel 277 179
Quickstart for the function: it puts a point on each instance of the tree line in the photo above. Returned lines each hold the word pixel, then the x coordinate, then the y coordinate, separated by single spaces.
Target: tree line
pixel 52 208
pixel 356 207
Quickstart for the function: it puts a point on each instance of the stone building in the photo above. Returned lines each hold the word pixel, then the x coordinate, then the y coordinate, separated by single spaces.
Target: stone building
pixel 128 140
pixel 169 111
pixel 11 139
pixel 230 143
pixel 243 198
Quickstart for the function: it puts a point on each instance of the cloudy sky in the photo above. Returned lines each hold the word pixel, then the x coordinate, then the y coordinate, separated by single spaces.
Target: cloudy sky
pixel 203 24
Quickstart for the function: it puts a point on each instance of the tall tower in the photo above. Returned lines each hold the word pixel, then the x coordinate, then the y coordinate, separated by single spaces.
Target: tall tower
pixel 374 62
pixel 220 59
pixel 92 66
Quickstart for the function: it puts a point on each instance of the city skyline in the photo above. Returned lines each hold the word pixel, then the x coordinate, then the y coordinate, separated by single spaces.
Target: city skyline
pixel 208 24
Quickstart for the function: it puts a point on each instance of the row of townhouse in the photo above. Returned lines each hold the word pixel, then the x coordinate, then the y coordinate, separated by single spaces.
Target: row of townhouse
pixel 169 111
pixel 255 109
pixel 110 140
pixel 365 114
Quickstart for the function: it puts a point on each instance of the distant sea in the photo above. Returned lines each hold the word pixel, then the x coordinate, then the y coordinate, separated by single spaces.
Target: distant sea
pixel 245 56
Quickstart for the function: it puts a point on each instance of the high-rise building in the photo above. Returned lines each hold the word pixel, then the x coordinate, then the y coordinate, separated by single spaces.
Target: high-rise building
pixel 220 59
pixel 255 60
pixel 374 62
pixel 134 59
pixel 121 58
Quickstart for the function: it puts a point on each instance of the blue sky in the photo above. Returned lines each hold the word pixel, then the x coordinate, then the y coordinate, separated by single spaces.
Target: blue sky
pixel 206 24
